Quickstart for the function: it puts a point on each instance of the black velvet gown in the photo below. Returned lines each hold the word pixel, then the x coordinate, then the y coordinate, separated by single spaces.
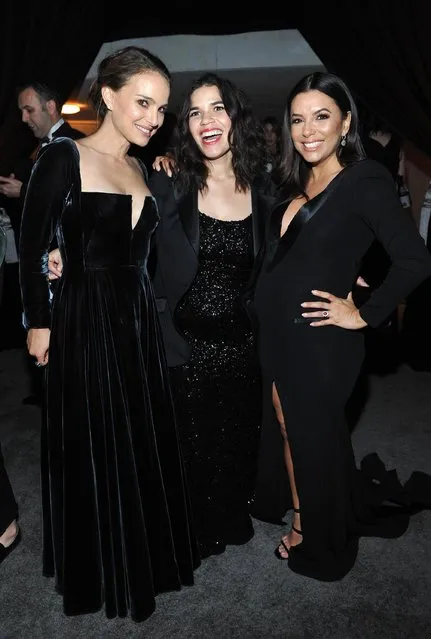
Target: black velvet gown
pixel 117 523
pixel 220 445
pixel 315 368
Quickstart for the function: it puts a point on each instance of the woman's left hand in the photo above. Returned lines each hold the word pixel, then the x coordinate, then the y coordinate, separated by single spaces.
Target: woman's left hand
pixel 335 311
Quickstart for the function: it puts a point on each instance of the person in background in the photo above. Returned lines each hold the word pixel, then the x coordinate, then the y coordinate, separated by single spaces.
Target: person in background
pixel 333 203
pixel 40 106
pixel 117 525
pixel 272 133
pixel 383 144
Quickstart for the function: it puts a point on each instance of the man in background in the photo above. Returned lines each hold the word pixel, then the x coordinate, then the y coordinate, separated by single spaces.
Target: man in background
pixel 40 107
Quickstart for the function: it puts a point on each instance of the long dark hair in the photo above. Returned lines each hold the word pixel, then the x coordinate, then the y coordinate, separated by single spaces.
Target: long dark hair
pixel 294 170
pixel 246 139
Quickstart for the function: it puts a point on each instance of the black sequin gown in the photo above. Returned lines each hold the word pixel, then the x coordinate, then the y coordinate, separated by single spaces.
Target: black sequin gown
pixel 217 393
pixel 116 517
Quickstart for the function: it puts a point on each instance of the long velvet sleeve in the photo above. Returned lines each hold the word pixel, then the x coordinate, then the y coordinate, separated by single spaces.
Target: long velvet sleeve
pixel 46 197
pixel 379 206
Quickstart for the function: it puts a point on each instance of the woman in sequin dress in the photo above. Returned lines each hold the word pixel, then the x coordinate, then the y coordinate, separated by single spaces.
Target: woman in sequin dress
pixel 213 214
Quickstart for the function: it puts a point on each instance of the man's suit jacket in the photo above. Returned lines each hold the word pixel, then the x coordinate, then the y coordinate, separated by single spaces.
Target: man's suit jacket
pixel 177 250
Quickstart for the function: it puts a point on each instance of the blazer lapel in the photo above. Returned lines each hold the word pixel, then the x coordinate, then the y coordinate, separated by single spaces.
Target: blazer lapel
pixel 262 204
pixel 279 246
pixel 189 216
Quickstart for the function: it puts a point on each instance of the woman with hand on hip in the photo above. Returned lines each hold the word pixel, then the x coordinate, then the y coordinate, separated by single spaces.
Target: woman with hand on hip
pixel 334 204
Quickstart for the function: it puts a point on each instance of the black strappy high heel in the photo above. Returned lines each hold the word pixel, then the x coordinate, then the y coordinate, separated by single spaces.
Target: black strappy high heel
pixel 277 551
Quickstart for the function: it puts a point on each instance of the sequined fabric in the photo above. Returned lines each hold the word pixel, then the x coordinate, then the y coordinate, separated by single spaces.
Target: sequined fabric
pixel 218 391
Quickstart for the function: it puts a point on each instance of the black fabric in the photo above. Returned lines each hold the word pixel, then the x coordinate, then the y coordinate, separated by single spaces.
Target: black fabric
pixel 111 464
pixel 217 392
pixel 388 155
pixel 177 250
pixel 202 269
pixel 315 369
pixel 8 505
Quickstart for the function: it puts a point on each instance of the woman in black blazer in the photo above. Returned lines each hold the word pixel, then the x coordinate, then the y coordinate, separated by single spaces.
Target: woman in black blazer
pixel 212 218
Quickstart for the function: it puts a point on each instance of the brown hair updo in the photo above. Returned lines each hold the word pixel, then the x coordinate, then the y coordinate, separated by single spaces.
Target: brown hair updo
pixel 116 70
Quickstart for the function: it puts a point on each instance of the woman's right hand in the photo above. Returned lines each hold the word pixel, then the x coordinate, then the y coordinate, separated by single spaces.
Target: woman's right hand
pixel 55 264
pixel 38 344
pixel 165 162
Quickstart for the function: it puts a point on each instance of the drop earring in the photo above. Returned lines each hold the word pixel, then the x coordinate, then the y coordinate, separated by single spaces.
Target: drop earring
pixel 343 140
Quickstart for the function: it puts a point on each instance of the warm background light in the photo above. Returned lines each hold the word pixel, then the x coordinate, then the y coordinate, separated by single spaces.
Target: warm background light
pixel 70 108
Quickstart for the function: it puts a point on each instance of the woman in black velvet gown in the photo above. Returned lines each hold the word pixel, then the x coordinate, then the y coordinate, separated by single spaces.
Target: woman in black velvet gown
pixel 310 343
pixel 117 523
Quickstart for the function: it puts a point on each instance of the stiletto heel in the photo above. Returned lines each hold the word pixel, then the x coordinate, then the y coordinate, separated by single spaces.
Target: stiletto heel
pixel 277 551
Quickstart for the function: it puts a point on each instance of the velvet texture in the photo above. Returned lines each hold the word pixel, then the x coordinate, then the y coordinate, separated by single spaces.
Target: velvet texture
pixel 315 368
pixel 117 525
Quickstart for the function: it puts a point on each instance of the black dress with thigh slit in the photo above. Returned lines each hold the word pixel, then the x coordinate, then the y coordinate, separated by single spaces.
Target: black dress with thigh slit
pixel 117 523
pixel 315 368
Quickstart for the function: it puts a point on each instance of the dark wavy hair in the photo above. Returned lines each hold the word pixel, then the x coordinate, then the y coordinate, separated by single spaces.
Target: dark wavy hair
pixel 294 170
pixel 246 139
pixel 116 69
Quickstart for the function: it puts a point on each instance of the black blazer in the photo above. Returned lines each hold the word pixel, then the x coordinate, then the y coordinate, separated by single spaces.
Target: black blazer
pixel 177 250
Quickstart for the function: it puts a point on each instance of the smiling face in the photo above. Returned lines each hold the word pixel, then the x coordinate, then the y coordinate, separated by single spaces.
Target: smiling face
pixel 317 126
pixel 209 122
pixel 138 109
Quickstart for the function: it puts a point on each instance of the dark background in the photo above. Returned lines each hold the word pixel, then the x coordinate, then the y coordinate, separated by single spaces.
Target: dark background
pixel 381 48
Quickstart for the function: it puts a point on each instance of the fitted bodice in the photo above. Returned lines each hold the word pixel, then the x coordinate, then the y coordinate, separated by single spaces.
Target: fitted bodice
pixel 102 236
pixel 213 302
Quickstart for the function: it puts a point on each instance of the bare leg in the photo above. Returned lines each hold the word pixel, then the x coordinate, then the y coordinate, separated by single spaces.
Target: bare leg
pixel 292 538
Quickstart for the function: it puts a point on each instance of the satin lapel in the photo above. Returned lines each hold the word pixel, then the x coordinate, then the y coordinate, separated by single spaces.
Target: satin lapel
pixel 301 219
pixel 189 216
pixel 261 206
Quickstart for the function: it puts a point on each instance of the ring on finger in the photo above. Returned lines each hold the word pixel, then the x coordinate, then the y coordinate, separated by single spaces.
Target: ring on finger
pixel 325 313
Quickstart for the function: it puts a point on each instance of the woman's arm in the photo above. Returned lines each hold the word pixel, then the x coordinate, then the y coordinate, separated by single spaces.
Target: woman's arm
pixel 378 204
pixel 45 199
